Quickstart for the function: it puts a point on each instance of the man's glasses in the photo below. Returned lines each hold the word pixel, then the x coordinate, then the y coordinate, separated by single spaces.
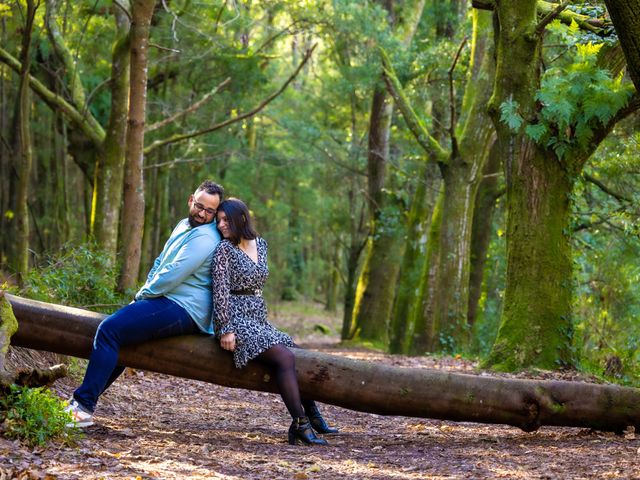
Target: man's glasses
pixel 200 207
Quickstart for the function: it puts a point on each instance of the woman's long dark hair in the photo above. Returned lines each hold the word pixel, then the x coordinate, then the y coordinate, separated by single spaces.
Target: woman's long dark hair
pixel 239 220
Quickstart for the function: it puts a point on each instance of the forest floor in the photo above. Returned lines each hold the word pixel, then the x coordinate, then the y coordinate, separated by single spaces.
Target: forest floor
pixel 156 426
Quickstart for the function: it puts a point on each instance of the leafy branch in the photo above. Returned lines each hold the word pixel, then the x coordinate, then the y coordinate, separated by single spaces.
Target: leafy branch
pixel 415 124
pixel 237 118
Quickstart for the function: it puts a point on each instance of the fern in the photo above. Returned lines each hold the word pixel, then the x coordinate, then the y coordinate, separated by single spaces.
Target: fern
pixel 574 100
pixel 509 115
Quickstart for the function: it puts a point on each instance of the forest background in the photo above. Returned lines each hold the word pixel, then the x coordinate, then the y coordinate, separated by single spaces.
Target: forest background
pixel 452 179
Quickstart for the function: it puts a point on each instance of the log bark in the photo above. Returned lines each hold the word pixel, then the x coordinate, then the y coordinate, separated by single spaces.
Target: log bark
pixel 32 377
pixel 353 384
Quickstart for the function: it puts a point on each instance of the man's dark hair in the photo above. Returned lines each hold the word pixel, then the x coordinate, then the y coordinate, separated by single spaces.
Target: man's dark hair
pixel 239 220
pixel 211 188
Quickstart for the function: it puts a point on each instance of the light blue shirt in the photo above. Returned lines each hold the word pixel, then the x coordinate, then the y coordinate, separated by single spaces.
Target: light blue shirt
pixel 182 271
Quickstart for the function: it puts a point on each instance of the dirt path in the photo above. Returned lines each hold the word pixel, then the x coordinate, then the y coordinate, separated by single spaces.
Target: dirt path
pixel 156 426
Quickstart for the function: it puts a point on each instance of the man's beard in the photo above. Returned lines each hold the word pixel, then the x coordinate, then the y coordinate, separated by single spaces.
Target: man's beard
pixel 194 222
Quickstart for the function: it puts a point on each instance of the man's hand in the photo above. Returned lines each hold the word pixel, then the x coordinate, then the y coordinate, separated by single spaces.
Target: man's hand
pixel 228 341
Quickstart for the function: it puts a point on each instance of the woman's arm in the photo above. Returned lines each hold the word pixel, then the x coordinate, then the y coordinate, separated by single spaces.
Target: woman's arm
pixel 221 285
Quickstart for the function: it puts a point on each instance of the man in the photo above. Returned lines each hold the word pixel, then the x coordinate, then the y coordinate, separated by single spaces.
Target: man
pixel 175 300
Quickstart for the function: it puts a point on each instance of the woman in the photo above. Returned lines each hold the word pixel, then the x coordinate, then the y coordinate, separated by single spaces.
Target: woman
pixel 239 271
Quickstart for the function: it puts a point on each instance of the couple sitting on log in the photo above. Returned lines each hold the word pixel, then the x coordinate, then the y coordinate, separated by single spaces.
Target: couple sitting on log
pixel 200 283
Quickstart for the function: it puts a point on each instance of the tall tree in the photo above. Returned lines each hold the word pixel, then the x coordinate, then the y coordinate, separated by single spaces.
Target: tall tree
pixel 109 176
pixel 133 216
pixel 374 297
pixel 441 317
pixel 547 129
pixel 22 150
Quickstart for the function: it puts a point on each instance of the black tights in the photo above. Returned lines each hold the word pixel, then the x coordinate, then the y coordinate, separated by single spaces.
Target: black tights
pixel 283 363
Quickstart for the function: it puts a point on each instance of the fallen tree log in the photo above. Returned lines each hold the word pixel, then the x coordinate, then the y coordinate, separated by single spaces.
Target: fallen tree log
pixel 30 377
pixel 353 384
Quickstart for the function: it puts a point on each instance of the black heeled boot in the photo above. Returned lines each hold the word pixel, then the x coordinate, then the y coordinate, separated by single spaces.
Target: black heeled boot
pixel 317 422
pixel 301 430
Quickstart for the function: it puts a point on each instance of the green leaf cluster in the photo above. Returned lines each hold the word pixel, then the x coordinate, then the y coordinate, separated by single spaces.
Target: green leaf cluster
pixel 79 275
pixel 573 101
pixel 35 416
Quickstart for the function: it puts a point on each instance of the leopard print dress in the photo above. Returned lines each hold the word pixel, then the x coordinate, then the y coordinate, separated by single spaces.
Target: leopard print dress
pixel 245 315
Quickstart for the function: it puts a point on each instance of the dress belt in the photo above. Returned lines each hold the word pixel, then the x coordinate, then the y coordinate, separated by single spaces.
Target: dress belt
pixel 246 291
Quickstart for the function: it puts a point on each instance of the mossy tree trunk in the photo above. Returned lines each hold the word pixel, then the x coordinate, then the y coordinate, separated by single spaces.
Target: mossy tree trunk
pixel 373 296
pixel 536 324
pixel 423 336
pixel 376 287
pixel 35 377
pixel 22 152
pixel 403 318
pixel 446 297
pixel 110 169
pixel 377 283
pixel 353 257
pixel 442 305
pixel 536 320
pixel 488 194
pixel 5 153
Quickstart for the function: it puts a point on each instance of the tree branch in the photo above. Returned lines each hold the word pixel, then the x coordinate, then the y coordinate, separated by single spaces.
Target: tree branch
pixel 619 197
pixel 124 9
pixel 237 118
pixel 599 134
pixel 600 221
pixel 452 100
pixel 75 88
pixel 189 109
pixel 585 22
pixel 551 16
pixel 415 124
pixel 92 129
pixel 624 15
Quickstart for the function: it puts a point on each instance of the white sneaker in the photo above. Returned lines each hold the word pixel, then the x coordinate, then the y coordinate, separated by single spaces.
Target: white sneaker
pixel 81 418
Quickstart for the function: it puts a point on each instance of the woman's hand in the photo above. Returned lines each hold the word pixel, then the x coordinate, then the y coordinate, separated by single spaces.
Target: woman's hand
pixel 228 341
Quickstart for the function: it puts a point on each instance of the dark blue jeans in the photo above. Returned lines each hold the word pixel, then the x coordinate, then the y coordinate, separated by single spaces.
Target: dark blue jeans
pixel 136 323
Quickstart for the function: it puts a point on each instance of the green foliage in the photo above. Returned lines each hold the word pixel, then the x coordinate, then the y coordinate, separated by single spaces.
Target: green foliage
pixel 78 275
pixel 509 114
pixel 606 270
pixel 35 416
pixel 574 100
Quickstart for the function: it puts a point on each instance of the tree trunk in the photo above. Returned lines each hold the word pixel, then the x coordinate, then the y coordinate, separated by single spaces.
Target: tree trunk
pixel 402 325
pixel 133 216
pixel 536 324
pixel 107 190
pixel 8 327
pixel 376 287
pixel 333 279
pixel 625 18
pixel 448 290
pixel 353 256
pixel 445 294
pixel 23 152
pixel 60 188
pixel 5 154
pixel 424 335
pixel 481 231
pixel 373 293
pixel 378 150
pixel 526 404
pixel 377 283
